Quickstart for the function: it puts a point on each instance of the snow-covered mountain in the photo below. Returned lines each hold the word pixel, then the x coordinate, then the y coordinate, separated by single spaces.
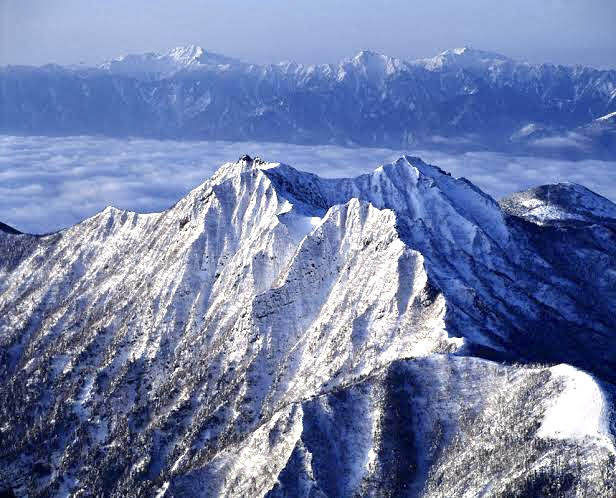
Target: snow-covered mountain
pixel 161 66
pixel 276 333
pixel 462 97
pixel 466 58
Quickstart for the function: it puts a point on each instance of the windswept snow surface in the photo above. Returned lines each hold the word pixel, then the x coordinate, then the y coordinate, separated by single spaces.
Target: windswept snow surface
pixel 278 333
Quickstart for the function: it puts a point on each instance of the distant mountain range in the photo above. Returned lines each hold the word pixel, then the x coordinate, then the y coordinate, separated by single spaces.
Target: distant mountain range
pixel 280 334
pixel 462 98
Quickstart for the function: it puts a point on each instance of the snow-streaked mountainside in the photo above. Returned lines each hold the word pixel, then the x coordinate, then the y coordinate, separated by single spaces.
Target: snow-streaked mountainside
pixel 460 98
pixel 275 333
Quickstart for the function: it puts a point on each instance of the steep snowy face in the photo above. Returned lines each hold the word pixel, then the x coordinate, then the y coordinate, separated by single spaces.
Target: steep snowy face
pixel 269 308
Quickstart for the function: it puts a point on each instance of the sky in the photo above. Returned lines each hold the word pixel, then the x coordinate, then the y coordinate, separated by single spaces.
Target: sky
pixel 310 31
pixel 51 183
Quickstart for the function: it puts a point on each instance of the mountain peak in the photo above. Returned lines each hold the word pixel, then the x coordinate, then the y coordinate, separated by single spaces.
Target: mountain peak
pixel 159 66
pixel 473 53
pixel 364 55
pixel 463 58
pixel 187 54
pixel 375 65
pixel 194 55
pixel 460 50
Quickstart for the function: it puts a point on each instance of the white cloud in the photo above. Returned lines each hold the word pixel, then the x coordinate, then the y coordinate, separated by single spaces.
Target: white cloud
pixel 50 183
pixel 560 142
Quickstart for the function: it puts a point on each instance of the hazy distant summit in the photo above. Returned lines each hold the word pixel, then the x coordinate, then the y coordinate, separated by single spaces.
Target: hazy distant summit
pixel 461 98
pixel 194 57
pixel 464 58
pixel 158 66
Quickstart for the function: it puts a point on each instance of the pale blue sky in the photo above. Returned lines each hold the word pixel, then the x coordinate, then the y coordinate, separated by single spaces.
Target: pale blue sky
pixel 71 31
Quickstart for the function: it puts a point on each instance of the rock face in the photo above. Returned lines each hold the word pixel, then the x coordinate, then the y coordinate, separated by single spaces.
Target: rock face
pixel 276 333
pixel 460 98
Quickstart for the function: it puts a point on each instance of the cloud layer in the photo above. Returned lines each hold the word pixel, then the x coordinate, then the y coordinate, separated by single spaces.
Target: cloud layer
pixel 50 183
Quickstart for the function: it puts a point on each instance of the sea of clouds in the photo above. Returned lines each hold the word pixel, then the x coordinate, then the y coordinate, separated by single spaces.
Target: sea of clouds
pixel 47 183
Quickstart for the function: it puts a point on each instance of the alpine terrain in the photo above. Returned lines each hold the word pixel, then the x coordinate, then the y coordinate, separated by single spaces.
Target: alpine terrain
pixel 461 99
pixel 279 334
